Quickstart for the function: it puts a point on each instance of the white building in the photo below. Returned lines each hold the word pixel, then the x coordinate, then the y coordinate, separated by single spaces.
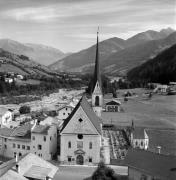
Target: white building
pixel 113 106
pixel 139 138
pixel 81 136
pixel 64 112
pixel 27 167
pixel 38 139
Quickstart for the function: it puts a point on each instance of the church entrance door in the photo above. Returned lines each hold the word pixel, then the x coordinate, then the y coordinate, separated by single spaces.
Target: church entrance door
pixel 80 160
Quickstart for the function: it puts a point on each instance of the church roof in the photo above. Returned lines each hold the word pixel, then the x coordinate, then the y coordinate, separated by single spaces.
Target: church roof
pixel 157 165
pixel 97 75
pixel 96 121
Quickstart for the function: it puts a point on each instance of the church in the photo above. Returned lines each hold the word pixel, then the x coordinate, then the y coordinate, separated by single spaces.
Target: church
pixel 81 133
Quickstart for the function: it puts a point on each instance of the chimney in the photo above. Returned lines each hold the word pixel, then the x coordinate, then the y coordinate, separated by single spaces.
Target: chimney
pixel 159 149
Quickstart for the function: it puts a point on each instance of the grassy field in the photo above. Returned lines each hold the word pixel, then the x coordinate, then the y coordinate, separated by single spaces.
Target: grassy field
pixel 157 114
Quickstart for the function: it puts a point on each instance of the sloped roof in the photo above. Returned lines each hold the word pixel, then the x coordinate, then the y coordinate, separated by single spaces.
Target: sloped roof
pixel 5 132
pixel 21 130
pixel 11 175
pixel 113 102
pixel 138 133
pixel 37 172
pixel 96 121
pixel 158 165
pixel 41 129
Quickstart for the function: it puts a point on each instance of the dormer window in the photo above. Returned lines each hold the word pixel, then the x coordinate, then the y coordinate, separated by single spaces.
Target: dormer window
pixel 80 120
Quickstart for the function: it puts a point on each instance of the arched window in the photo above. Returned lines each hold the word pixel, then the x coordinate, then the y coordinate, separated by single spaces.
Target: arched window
pixel 69 144
pixel 97 103
pixel 90 145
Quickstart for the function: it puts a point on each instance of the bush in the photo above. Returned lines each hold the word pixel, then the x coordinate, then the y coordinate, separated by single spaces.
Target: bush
pixel 24 109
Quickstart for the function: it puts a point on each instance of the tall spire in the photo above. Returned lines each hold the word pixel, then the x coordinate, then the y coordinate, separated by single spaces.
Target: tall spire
pixel 97 76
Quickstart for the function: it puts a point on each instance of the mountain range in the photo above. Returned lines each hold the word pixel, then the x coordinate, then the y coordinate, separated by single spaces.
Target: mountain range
pixel 20 64
pixel 161 69
pixel 117 56
pixel 39 53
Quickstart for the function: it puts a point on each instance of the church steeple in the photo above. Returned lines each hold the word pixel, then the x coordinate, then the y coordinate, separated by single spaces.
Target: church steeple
pixel 97 75
pixel 97 95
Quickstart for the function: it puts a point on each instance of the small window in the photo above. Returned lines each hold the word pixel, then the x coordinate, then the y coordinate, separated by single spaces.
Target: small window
pixel 79 144
pixel 18 146
pixel 39 147
pixel 69 159
pixel 80 120
pixel 66 109
pixel 136 143
pixel 28 147
pixel 14 145
pixel 80 136
pixel 90 159
pixel 33 137
pixel 142 143
pixel 69 144
pixel 50 138
pixel 5 146
pixel 14 154
pixel 90 145
pixel 5 140
pixel 20 154
pixel 44 138
pixel 23 146
pixel 63 113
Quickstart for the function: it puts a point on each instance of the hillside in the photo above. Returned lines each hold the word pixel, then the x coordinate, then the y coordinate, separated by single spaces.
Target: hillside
pixel 133 56
pixel 85 58
pixel 161 69
pixel 21 64
pixel 148 36
pixel 39 53
pixel 117 56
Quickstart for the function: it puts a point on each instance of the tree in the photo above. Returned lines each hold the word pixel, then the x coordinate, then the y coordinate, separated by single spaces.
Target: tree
pixel 103 172
pixel 24 109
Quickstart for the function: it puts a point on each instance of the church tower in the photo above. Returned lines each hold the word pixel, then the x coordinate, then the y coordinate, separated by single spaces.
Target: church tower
pixel 97 94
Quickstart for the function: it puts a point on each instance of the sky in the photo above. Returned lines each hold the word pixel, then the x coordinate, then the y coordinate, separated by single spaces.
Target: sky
pixel 71 25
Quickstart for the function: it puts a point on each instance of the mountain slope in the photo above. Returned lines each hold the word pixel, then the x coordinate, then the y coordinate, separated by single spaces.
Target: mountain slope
pixel 86 57
pixel 148 36
pixel 128 58
pixel 21 64
pixel 40 53
pixel 161 69
pixel 117 55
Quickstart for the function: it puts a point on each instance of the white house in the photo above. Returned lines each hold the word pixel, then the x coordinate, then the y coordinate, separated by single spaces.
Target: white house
pixel 81 136
pixel 30 166
pixel 64 112
pixel 139 138
pixel 113 106
pixel 38 139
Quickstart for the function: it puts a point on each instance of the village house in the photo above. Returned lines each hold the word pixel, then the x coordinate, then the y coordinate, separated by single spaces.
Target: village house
pixel 64 112
pixel 146 165
pixel 139 138
pixel 38 139
pixel 27 167
pixel 113 106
